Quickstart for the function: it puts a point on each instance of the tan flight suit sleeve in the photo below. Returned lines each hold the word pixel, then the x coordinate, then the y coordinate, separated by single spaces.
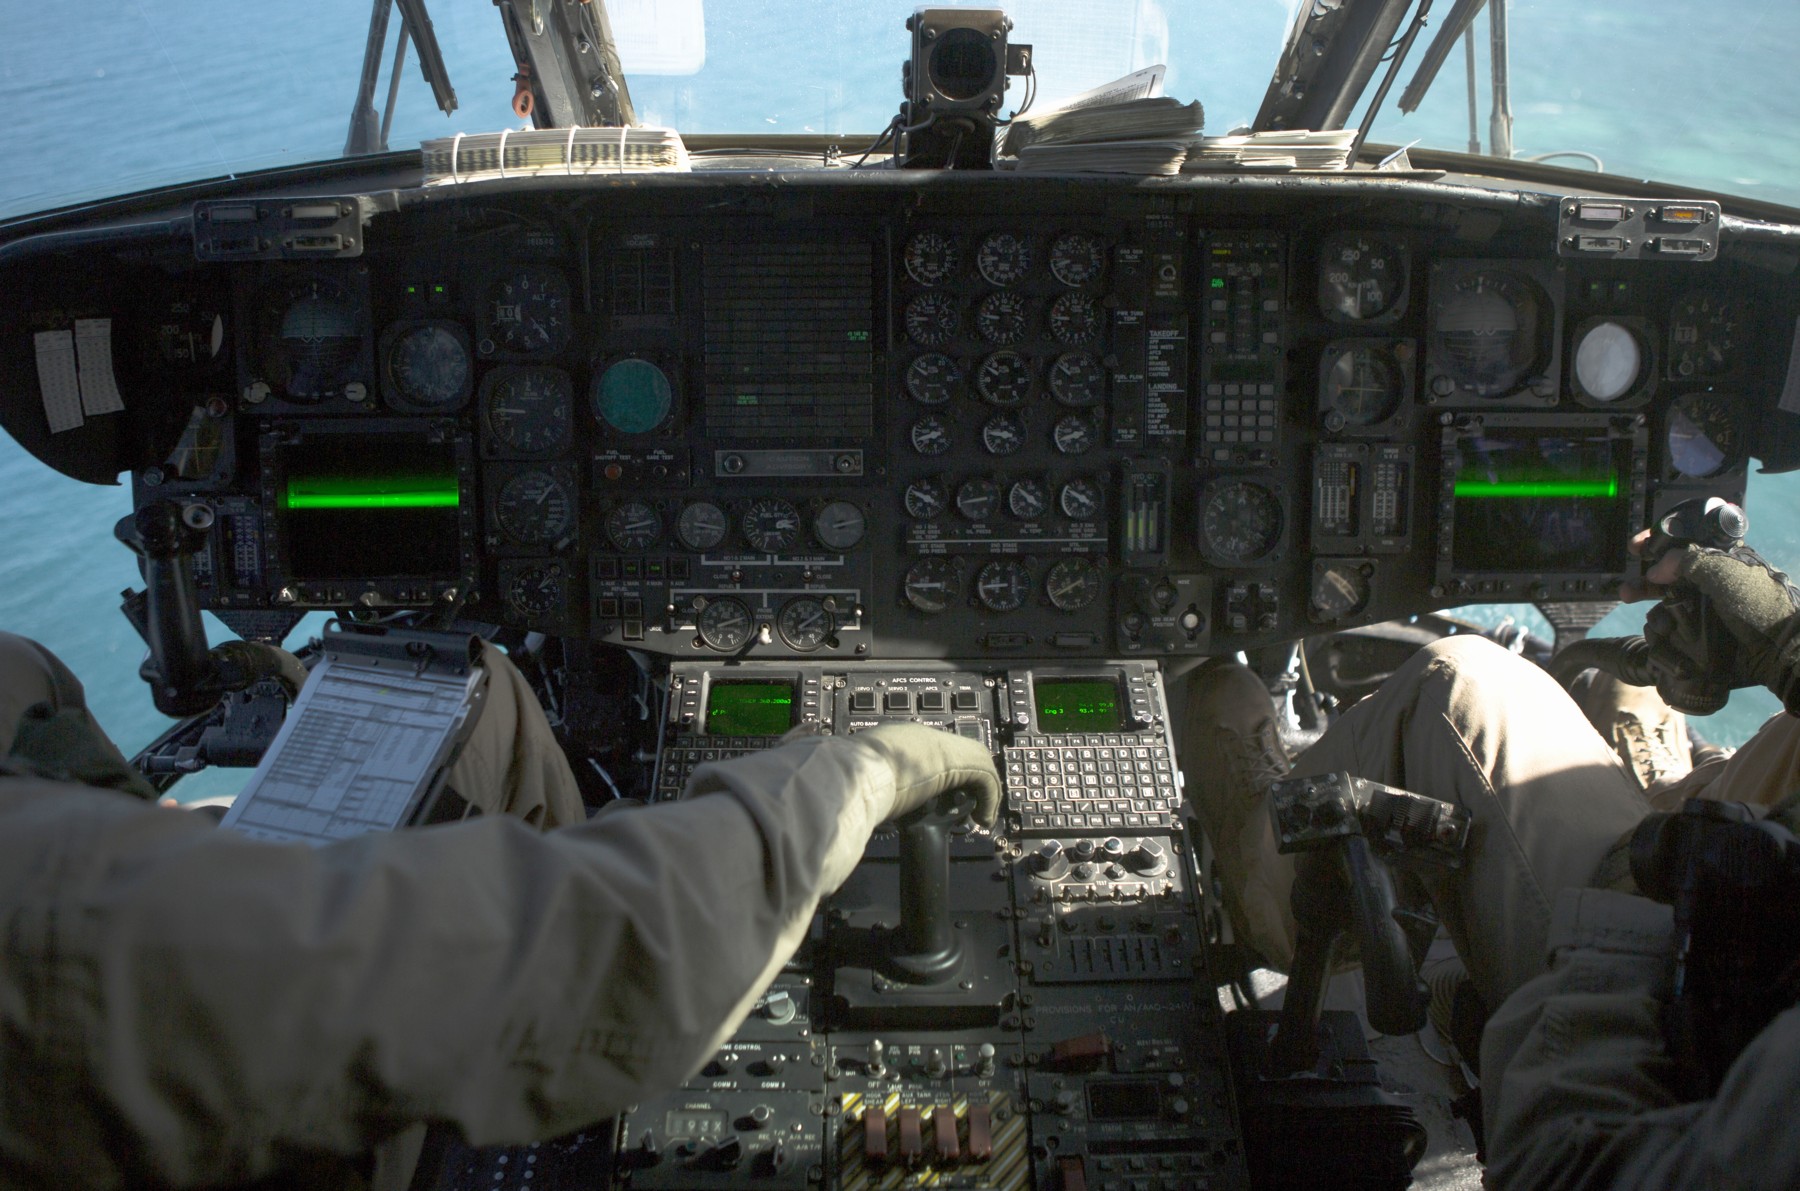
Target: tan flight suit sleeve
pixel 184 1000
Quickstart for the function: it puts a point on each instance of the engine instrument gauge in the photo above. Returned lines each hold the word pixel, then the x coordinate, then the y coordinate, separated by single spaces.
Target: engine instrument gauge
pixel 1003 434
pixel 702 525
pixel 1362 385
pixel 1361 277
pixel 1003 258
pixel 931 318
pixel 1076 258
pixel 978 500
pixel 1240 521
pixel 1003 586
pixel 1072 584
pixel 311 338
pixel 528 312
pixel 1079 500
pixel 536 590
pixel 632 396
pixel 1339 589
pixel 633 525
pixel 428 367
pixel 771 525
pixel 535 508
pixel 1074 434
pixel 804 623
pixel 725 623
pixel 1488 333
pixel 926 499
pixel 1028 499
pixel 932 378
pixel 1703 332
pixel 526 410
pixel 839 525
pixel 1703 437
pixel 1609 360
pixel 1004 378
pixel 931 258
pixel 1001 317
pixel 932 584
pixel 1075 319
pixel 1077 379
pixel 930 435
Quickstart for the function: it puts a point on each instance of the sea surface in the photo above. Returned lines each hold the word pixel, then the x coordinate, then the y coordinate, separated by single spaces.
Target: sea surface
pixel 105 99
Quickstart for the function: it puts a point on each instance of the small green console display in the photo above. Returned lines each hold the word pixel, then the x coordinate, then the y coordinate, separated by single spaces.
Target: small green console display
pixel 1077 705
pixel 749 708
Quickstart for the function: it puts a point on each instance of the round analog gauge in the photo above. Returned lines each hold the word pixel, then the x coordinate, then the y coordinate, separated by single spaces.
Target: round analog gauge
pixel 428 367
pixel 771 525
pixel 528 312
pixel 930 258
pixel 1360 277
pixel 1703 335
pixel 1001 317
pixel 1362 385
pixel 1004 434
pixel 1076 258
pixel 930 435
pixel 1075 318
pixel 1077 379
pixel 536 590
pixel 1488 332
pixel 1340 589
pixel 1072 584
pixel 1073 434
pixel 1079 500
pixel 926 499
pixel 1003 258
pixel 978 499
pixel 725 623
pixel 1004 378
pixel 839 525
pixel 535 508
pixel 702 525
pixel 1003 586
pixel 633 525
pixel 527 410
pixel 1240 521
pixel 932 378
pixel 1703 437
pixel 932 584
pixel 312 338
pixel 632 396
pixel 804 623
pixel 1028 499
pixel 931 318
pixel 1609 360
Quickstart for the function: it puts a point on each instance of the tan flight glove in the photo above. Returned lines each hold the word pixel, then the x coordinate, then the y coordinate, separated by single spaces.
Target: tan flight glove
pixel 930 761
pixel 1759 607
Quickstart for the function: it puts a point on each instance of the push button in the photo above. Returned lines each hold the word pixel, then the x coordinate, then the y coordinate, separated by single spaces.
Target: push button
pixel 863 702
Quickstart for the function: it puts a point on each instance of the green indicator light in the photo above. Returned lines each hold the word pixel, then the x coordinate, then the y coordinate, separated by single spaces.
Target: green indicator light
pixel 1540 488
pixel 859 336
pixel 391 492
pixel 746 399
pixel 412 289
pixel 1218 283
pixel 437 289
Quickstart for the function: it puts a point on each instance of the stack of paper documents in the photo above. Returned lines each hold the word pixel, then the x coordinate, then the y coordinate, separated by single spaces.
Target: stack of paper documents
pixel 1298 149
pixel 538 151
pixel 1123 127
pixel 1104 157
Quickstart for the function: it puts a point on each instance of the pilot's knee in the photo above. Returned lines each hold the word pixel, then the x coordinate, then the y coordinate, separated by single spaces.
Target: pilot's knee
pixel 30 675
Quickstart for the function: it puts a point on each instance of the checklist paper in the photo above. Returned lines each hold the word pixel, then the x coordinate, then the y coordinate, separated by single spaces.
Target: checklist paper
pixel 75 374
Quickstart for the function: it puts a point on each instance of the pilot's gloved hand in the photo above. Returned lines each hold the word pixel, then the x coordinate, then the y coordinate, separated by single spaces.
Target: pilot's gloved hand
pixel 930 761
pixel 1756 604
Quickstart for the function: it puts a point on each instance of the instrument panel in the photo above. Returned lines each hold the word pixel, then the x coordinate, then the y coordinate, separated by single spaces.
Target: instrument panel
pixel 1015 416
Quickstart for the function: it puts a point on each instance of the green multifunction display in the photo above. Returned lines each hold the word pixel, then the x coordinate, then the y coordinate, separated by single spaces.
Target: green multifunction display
pixel 749 708
pixel 1536 500
pixel 355 509
pixel 1077 705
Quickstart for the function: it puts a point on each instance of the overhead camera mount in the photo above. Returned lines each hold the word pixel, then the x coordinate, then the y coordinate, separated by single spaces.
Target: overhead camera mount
pixel 955 84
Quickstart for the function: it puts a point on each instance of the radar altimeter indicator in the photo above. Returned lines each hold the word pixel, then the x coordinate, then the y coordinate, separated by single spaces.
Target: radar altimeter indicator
pixel 1488 334
pixel 1028 499
pixel 840 525
pixel 804 623
pixel 771 525
pixel 978 499
pixel 537 590
pixel 1362 385
pixel 528 313
pixel 931 318
pixel 933 378
pixel 1076 259
pixel 1003 586
pixel 702 525
pixel 428 367
pixel 1076 379
pixel 1075 319
pixel 930 258
pixel 1072 584
pixel 932 584
pixel 725 623
pixel 1074 434
pixel 1004 378
pixel 1703 332
pixel 1703 437
pixel 1360 278
pixel 1240 522
pixel 926 499
pixel 930 435
pixel 1080 500
pixel 632 396
pixel 1001 317
pixel 535 508
pixel 633 525
pixel 1003 258
pixel 1003 434
pixel 527 410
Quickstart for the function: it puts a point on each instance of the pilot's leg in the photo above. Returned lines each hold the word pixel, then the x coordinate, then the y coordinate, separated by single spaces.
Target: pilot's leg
pixel 1650 737
pixel 512 763
pixel 45 725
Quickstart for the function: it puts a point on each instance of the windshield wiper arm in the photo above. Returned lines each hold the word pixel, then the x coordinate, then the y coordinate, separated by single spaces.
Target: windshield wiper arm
pixel 568 64
pixel 1330 57
pixel 367 135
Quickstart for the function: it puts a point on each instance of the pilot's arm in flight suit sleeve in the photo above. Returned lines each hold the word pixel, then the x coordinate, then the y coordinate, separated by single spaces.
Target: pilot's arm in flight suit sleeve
pixel 178 1002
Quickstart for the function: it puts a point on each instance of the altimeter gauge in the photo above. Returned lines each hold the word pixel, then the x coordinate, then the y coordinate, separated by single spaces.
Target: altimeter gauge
pixel 526 411
pixel 527 313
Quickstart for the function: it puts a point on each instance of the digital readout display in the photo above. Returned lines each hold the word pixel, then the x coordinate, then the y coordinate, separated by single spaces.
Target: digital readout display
pixel 1534 501
pixel 698 1124
pixel 357 508
pixel 749 708
pixel 1077 705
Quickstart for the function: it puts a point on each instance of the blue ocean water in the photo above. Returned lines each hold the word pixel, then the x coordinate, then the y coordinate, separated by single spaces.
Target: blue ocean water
pixel 107 99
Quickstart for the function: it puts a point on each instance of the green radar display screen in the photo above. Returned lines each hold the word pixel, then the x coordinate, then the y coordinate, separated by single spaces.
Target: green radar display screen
pixel 749 708
pixel 1077 705
pixel 370 508
pixel 1537 500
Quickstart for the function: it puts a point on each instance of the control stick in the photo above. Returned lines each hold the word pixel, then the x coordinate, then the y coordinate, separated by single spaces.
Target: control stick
pixel 927 950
